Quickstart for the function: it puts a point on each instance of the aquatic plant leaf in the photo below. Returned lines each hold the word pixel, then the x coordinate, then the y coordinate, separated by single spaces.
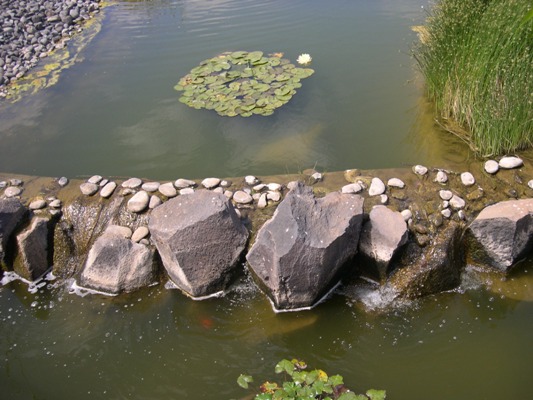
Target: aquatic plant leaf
pixel 376 394
pixel 244 380
pixel 352 396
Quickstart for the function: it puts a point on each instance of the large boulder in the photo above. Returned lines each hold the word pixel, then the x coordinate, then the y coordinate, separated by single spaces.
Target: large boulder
pixel 115 264
pixel 501 235
pixel 383 236
pixel 12 214
pixel 298 254
pixel 34 249
pixel 432 269
pixel 200 239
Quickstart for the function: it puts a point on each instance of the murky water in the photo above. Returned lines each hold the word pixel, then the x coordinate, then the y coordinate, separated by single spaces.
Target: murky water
pixel 116 113
pixel 158 344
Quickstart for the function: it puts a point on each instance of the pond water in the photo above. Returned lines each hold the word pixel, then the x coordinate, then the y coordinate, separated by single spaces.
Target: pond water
pixel 115 113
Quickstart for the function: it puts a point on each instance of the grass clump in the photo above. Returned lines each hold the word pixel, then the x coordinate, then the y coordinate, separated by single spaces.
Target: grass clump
pixel 477 60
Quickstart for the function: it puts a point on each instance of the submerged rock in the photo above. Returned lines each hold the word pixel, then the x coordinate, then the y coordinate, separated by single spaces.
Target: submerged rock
pixel 299 253
pixel 200 239
pixel 502 234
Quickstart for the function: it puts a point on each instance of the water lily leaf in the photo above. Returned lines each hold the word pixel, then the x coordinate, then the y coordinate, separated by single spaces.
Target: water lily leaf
pixel 179 88
pixel 376 394
pixel 254 56
pixel 244 380
pixel 238 54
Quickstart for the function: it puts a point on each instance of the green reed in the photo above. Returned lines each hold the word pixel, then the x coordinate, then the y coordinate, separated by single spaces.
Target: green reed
pixel 477 59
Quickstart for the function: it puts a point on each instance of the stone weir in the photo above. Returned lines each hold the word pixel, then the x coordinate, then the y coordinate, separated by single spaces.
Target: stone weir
pixel 409 231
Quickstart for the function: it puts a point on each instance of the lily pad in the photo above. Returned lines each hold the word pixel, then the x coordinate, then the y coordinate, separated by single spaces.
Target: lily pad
pixel 241 83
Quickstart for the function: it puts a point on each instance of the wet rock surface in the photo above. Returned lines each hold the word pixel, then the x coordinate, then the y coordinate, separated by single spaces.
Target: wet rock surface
pixel 12 215
pixel 299 253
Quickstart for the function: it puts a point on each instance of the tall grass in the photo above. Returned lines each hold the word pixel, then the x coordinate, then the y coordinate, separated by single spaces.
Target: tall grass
pixel 477 59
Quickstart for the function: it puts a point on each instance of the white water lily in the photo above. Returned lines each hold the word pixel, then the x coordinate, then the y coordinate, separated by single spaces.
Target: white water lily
pixel 304 59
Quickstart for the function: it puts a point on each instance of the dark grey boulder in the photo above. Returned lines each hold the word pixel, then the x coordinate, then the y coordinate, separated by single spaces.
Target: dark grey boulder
pixel 299 253
pixel 12 214
pixel 501 235
pixel 200 239
pixel 383 235
pixel 34 249
pixel 433 269
pixel 115 264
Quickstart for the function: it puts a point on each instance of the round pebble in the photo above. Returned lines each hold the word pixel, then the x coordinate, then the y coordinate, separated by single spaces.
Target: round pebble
pixel 420 170
pixel 186 191
pixel 377 187
pixel 108 189
pixel 56 203
pixel 138 202
pixel 442 177
pixel 396 183
pixel 184 183
pixel 262 202
pixel 510 162
pixel 457 203
pixel 140 233
pixel 274 196
pixel 530 184
pixel 274 187
pixel 491 166
pixel 445 194
pixel 118 230
pixel 258 188
pixel 407 215
pixel 88 188
pixel 12 191
pixel 63 181
pixel 317 176
pixel 467 179
pixel 155 201
pixel 168 190
pixel 15 182
pixel 132 183
pixel 37 204
pixel 251 180
pixel 210 183
pixel 241 197
pixel 351 188
pixel 225 184
pixel 150 187
pixel 446 213
pixel 384 199
pixel 3 184
pixel 95 179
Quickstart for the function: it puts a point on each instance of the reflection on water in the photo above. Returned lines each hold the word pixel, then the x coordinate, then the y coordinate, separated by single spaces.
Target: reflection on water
pixel 116 113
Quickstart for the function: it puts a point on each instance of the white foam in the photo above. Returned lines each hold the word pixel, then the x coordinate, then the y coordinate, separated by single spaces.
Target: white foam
pixel 81 291
pixel 172 286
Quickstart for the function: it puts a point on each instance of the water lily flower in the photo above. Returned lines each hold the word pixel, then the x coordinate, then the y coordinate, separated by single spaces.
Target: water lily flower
pixel 304 59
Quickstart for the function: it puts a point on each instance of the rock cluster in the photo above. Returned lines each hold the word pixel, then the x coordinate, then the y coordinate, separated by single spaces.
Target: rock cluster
pixel 29 30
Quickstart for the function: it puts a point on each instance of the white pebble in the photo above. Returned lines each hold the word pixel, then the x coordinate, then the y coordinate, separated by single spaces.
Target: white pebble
pixel 441 177
pixel 420 170
pixel 407 214
pixel 467 179
pixel 351 188
pixel 377 187
pixel 445 194
pixel 510 162
pixel 395 182
pixel 446 213
pixel 491 166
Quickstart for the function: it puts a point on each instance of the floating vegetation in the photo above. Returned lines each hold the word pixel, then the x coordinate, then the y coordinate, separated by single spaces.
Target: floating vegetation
pixel 242 83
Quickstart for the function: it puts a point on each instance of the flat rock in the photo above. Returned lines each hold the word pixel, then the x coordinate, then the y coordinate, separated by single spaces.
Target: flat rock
pixel 56 203
pixel 138 202
pixel 251 180
pixel 108 189
pixel 274 187
pixel 150 187
pixel 241 197
pixel 184 183
pixel 37 204
pixel 140 233
pixel 377 187
pixel 491 166
pixel 95 179
pixel 382 236
pixel 210 183
pixel 168 190
pixel 89 188
pixel 299 254
pixel 510 162
pixel 116 264
pixel 467 179
pixel 200 239
pixel 396 183
pixel 132 183
pixel 351 188
pixel 274 196
pixel 501 235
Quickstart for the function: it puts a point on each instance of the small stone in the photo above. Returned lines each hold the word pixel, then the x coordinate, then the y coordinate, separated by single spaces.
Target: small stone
pixel 351 188
pixel 274 196
pixel 150 187
pixel 446 213
pixel 132 183
pixel 256 196
pixel 55 203
pixel 291 185
pixel 54 212
pixel 154 202
pixel 467 179
pixel 168 190
pixel 457 203
pixel 15 182
pixel 407 215
pixel 186 191
pixel 445 194
pixel 146 242
pixel 228 194
pixel 219 189
pixel 258 188
pixel 118 230
pixel 210 183
pixel 317 177
pixel 274 187
pixel 63 181
pixel 442 177
pixel 510 162
pixel 37 204
pixel 377 187
pixel 491 166
pixel 242 197
pixel 103 182
pixel 88 188
pixel 383 199
pixel 184 183
pixel 436 220
pixel 108 190
pixel 138 202
pixel 461 214
pixel 445 204
pixel 225 184
pixel 395 182
pixel 262 202
pixel 420 170
pixel 95 179
pixel 126 192
pixel 3 184
pixel 251 180
pixel 140 233
pixel 247 190
pixel 530 184
pixel 12 191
